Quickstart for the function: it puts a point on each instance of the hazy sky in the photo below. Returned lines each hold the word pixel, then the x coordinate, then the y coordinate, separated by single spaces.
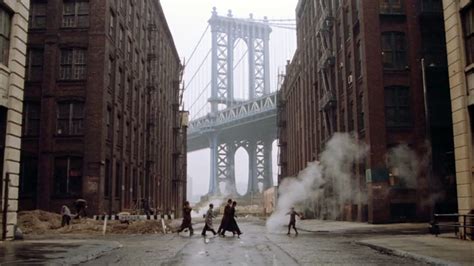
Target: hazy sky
pixel 188 20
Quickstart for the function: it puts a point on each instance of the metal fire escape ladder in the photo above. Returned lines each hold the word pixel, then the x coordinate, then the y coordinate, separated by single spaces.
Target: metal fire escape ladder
pixel 327 102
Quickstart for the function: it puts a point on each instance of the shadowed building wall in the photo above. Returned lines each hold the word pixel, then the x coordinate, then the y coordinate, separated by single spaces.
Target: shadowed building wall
pixel 358 69
pixel 102 108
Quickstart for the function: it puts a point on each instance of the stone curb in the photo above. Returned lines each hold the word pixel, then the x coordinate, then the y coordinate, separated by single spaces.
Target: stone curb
pixel 106 247
pixel 405 254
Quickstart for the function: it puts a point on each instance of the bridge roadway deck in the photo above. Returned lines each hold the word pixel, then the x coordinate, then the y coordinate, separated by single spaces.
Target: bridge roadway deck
pixel 245 121
pixel 249 129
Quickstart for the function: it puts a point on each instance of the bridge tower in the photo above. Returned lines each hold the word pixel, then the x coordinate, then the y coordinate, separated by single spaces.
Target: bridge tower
pixel 226 30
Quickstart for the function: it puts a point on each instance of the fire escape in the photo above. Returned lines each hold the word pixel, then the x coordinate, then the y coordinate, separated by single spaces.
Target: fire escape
pixel 326 64
pixel 152 112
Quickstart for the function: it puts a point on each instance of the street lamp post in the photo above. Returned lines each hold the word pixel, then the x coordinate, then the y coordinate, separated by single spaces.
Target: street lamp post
pixel 428 133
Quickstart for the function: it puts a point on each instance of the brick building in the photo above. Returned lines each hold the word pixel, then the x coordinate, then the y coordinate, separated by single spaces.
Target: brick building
pixel 13 22
pixel 102 119
pixel 459 25
pixel 358 69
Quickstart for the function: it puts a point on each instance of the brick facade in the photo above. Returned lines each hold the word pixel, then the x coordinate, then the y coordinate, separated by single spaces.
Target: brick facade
pixel 373 57
pixel 104 78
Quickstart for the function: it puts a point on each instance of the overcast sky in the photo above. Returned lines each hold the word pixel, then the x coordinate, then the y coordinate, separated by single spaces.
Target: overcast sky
pixel 188 20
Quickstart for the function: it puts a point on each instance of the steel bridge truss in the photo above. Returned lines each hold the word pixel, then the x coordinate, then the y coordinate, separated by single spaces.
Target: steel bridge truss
pixel 225 130
pixel 225 32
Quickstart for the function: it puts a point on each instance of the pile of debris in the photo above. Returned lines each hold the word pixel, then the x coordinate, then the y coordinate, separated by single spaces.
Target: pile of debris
pixel 39 222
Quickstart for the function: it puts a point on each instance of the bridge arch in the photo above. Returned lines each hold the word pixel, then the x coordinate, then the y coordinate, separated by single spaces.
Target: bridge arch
pixel 241 170
pixel 241 70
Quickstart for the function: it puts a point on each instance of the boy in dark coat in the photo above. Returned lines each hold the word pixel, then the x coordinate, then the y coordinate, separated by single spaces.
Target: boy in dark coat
pixel 232 224
pixel 292 223
pixel 225 217
pixel 186 219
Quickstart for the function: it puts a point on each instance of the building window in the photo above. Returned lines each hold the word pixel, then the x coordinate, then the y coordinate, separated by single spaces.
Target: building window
pixel 31 119
pixel 107 179
pixel 5 25
pixel 70 118
pixel 75 14
pixel 358 59
pixel 397 106
pixel 118 180
pixel 119 131
pixel 68 176
pixel 391 7
pixel 109 118
pixel 28 176
pixel 360 111
pixel 34 65
pixel 112 25
pixel 434 6
pixel 37 15
pixel 468 25
pixel 73 64
pixel 129 50
pixel 130 15
pixel 121 36
pixel 394 50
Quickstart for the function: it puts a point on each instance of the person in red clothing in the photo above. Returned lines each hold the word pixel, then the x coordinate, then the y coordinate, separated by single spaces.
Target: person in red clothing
pixel 292 223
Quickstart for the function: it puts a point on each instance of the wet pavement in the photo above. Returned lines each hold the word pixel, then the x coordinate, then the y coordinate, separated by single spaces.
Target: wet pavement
pixel 59 251
pixel 255 247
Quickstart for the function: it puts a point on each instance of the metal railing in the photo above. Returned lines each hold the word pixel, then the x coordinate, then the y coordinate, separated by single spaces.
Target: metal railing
pixel 454 221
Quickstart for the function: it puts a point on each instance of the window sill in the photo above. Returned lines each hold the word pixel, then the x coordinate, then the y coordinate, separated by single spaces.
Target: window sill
pixel 469 68
pixel 29 137
pixel 71 81
pixel 64 136
pixel 36 30
pixel 400 128
pixel 35 82
pixel 397 15
pixel 395 70
pixel 86 28
pixel 71 196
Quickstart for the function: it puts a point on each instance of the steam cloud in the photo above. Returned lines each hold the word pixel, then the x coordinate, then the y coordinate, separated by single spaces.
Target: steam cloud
pixel 404 164
pixel 333 172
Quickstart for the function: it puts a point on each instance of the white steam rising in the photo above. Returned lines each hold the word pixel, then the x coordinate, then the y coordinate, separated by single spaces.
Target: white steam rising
pixel 201 211
pixel 332 173
pixel 404 164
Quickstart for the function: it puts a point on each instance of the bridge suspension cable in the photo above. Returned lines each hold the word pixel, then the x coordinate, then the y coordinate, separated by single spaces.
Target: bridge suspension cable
pixel 198 43
pixel 198 69
pixel 200 94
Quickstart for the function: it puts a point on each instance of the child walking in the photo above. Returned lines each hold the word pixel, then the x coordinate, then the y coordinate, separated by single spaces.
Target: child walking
pixel 186 219
pixel 292 223
pixel 208 222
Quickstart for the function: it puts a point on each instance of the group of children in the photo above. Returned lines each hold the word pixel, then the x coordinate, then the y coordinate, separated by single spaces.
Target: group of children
pixel 228 222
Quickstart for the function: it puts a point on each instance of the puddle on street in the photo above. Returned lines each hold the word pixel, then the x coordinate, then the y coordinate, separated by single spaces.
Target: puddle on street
pixel 31 253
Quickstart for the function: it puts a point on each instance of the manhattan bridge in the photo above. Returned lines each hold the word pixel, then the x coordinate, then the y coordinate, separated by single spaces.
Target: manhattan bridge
pixel 232 101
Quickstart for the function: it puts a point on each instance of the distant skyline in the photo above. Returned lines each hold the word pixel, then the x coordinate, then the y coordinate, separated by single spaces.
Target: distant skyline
pixel 187 20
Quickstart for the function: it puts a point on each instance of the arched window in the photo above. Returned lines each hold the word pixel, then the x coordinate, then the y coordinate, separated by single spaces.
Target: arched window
pixel 397 106
pixel 394 50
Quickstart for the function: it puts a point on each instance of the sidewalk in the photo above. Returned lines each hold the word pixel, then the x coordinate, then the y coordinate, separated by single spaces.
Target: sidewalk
pixel 406 240
pixel 58 251
pixel 442 250
pixel 341 226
